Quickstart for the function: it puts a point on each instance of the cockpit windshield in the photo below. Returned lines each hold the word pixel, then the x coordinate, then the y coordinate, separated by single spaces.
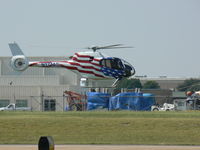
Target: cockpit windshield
pixel 114 63
pixel 127 65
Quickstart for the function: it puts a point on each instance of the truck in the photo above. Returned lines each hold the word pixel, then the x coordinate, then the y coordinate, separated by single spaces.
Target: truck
pixel 12 107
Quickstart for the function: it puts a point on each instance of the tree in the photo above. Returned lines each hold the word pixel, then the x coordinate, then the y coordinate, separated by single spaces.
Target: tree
pixel 128 83
pixel 151 85
pixel 190 85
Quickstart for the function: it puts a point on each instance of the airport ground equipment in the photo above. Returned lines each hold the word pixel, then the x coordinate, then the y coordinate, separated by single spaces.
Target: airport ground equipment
pixel 75 101
pixel 164 107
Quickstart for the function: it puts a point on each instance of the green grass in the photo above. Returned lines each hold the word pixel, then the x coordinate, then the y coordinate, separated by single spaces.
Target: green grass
pixel 122 127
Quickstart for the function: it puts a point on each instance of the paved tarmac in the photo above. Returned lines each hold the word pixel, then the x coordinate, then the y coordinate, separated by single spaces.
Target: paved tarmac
pixel 101 147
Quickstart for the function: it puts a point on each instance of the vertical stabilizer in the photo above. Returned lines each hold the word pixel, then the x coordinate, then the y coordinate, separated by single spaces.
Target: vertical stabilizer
pixel 19 62
pixel 15 49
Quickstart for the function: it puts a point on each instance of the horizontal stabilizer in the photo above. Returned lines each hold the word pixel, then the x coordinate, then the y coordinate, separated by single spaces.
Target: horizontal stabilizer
pixel 15 49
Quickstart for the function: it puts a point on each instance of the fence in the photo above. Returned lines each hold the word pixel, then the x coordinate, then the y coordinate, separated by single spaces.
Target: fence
pixel 83 102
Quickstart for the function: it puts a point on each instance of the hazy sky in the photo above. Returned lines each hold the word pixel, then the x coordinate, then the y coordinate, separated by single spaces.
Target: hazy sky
pixel 165 33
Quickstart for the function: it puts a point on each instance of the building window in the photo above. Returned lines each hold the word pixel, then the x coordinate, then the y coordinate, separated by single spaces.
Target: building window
pixel 4 102
pixel 49 105
pixel 21 103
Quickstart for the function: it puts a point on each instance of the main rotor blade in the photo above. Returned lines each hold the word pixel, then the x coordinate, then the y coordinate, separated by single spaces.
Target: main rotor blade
pixel 103 47
pixel 114 46
pixel 119 47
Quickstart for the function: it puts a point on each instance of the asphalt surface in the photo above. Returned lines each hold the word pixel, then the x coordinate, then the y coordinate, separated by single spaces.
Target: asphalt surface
pixel 101 147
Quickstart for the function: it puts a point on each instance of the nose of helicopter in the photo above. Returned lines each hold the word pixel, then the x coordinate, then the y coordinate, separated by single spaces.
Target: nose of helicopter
pixel 132 70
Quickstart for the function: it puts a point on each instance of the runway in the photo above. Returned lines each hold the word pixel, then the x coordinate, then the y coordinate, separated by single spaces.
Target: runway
pixel 101 147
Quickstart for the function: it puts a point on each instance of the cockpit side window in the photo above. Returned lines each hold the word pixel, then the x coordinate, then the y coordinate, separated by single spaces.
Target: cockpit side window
pixel 103 62
pixel 108 63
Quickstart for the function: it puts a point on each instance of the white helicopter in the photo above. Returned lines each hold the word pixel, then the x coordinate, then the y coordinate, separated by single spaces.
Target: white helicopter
pixel 90 64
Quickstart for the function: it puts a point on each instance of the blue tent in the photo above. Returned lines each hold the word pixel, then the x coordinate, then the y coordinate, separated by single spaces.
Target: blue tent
pixel 132 101
pixel 97 100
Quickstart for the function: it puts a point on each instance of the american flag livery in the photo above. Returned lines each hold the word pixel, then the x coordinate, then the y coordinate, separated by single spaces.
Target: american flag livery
pixel 91 64
pixel 113 72
pixel 87 64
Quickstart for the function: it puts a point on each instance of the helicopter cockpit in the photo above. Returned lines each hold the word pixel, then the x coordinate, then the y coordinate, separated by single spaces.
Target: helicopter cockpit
pixel 129 69
pixel 119 64
pixel 114 63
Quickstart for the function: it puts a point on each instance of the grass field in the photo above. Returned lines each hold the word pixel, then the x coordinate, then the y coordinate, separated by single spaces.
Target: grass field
pixel 122 127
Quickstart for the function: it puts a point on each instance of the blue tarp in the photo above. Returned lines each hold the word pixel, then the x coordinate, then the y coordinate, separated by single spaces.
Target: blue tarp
pixel 97 100
pixel 149 100
pixel 122 101
pixel 132 101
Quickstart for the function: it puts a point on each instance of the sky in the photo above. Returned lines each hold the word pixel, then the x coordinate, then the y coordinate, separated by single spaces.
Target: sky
pixel 165 34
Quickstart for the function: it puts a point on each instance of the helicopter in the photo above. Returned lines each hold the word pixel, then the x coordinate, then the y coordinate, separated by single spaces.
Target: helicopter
pixel 90 64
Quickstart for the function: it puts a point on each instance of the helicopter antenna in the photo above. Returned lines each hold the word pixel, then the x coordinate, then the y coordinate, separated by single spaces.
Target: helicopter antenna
pixel 115 46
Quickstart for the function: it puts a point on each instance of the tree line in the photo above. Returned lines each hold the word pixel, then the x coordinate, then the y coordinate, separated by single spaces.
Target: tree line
pixel 187 85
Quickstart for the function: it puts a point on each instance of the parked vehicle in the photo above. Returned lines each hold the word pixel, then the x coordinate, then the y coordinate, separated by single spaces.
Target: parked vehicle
pixel 192 102
pixel 12 107
pixel 188 104
pixel 165 107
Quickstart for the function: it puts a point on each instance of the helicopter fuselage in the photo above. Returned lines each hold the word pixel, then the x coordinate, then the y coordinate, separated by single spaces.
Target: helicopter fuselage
pixel 89 64
pixel 92 65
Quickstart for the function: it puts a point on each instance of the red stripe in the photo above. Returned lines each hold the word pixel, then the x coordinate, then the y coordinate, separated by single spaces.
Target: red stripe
pixel 83 71
pixel 86 67
pixel 85 61
pixel 97 59
pixel 33 64
pixel 84 56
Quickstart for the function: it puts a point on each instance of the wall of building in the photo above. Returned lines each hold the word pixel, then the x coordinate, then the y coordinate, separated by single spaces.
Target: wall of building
pixel 36 95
